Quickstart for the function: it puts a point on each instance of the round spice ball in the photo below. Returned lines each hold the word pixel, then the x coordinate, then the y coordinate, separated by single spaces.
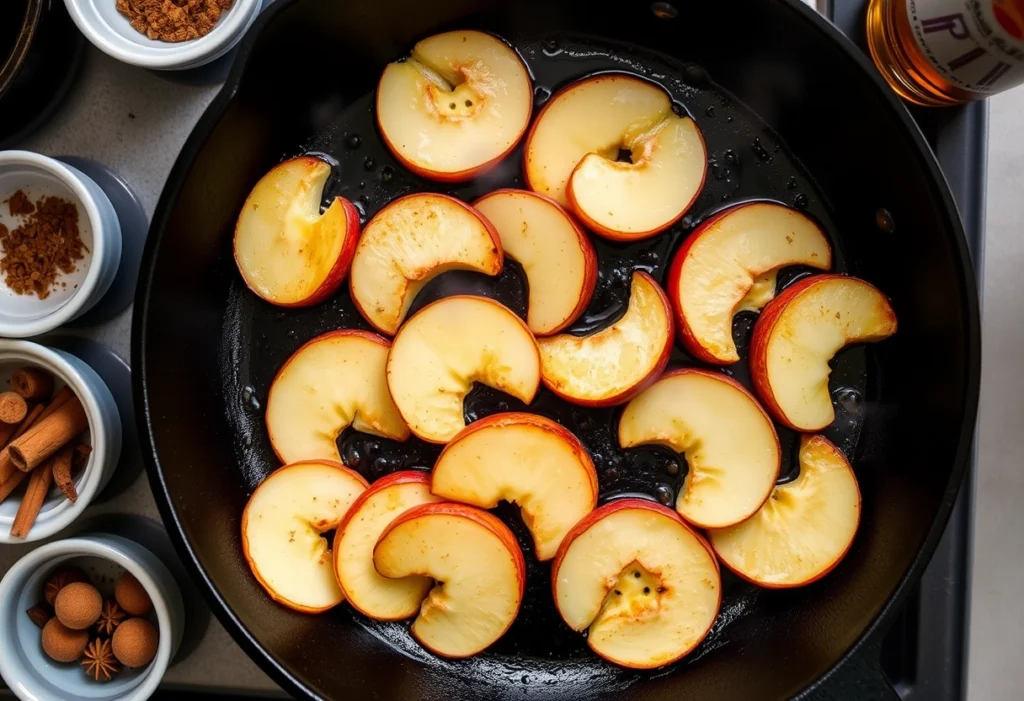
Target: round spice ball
pixel 134 642
pixel 62 644
pixel 78 605
pixel 132 596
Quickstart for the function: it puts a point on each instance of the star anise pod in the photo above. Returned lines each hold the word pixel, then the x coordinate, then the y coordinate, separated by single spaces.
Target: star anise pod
pixel 60 579
pixel 110 618
pixel 99 660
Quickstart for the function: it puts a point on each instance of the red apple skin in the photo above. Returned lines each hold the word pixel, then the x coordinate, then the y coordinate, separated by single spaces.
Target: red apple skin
pixel 543 423
pixel 632 503
pixel 618 235
pixel 763 332
pixel 589 255
pixel 471 513
pixel 686 337
pixel 368 335
pixel 245 540
pixel 491 231
pixel 835 563
pixel 652 376
pixel 400 477
pixel 458 176
pixel 337 274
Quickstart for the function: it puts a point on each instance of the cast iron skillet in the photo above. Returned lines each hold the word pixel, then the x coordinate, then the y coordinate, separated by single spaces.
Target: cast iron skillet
pixel 790 110
pixel 40 54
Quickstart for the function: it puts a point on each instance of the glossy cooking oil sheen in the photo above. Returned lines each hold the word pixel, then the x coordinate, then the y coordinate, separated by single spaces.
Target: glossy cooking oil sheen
pixel 748 161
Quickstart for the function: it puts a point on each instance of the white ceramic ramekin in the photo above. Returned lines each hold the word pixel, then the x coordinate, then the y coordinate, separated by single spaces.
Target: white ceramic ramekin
pixel 32 675
pixel 103 434
pixel 26 315
pixel 112 34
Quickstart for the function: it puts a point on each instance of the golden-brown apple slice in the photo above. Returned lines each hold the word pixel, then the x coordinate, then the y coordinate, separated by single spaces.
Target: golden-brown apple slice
pixel 644 586
pixel 572 149
pixel 288 253
pixel 282 526
pixel 478 568
pixel 803 530
pixel 729 264
pixel 613 364
pixel 797 335
pixel 557 257
pixel 525 459
pixel 456 107
pixel 408 243
pixel 369 593
pixel 333 381
pixel 447 346
pixel 729 442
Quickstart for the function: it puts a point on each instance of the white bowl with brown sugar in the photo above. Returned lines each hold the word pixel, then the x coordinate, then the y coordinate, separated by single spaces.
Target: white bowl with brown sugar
pixel 60 243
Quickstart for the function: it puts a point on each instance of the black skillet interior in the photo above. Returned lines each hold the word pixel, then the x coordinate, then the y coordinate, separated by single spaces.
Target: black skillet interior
pixel 787 114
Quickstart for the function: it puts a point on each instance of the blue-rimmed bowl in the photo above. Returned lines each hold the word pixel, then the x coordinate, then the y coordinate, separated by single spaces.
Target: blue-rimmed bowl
pixel 24 666
pixel 103 435
pixel 26 315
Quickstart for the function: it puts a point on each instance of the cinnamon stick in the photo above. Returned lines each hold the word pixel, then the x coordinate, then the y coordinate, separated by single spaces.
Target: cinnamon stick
pixel 48 436
pixel 32 383
pixel 13 407
pixel 10 476
pixel 32 503
pixel 62 473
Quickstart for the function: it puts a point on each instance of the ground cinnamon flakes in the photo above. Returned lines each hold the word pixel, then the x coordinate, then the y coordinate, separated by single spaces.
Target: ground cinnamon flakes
pixel 173 20
pixel 44 245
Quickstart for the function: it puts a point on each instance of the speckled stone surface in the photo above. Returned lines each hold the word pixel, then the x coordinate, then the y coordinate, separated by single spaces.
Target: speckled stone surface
pixel 135 122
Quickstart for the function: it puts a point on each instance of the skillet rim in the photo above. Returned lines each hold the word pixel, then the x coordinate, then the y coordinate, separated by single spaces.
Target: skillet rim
pixel 169 195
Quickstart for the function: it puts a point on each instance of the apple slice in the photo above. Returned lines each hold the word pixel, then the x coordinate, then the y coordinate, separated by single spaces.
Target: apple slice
pixel 408 243
pixel 610 366
pixel 729 442
pixel 282 526
pixel 572 149
pixel 557 257
pixel 333 381
pixel 729 264
pixel 288 253
pixel 645 587
pixel 446 347
pixel 526 459
pixel 797 335
pixel 803 530
pixel 372 595
pixel 456 107
pixel 477 565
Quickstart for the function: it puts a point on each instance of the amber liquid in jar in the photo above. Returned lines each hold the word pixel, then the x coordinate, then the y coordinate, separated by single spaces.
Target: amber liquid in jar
pixel 947 52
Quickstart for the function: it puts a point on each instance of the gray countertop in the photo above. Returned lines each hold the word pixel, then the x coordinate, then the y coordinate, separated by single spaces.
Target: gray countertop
pixel 135 122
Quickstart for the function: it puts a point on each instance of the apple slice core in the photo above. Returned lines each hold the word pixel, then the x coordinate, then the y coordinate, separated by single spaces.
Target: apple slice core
pixel 645 585
pixel 332 382
pixel 609 366
pixel 289 253
pixel 478 567
pixel 367 591
pixel 526 459
pixel 408 243
pixel 447 346
pixel 457 106
pixel 282 526
pixel 729 442
pixel 729 264
pixel 797 335
pixel 556 256
pixel 803 530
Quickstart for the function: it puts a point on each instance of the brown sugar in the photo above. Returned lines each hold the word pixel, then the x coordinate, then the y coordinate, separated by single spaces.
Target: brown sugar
pixel 19 204
pixel 43 246
pixel 173 20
